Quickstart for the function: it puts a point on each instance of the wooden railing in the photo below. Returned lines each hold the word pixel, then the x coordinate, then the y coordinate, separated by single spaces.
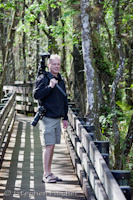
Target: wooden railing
pixel 25 102
pixel 90 166
pixel 7 117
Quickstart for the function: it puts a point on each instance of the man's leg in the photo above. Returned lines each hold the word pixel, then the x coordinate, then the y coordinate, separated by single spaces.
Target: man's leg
pixel 48 156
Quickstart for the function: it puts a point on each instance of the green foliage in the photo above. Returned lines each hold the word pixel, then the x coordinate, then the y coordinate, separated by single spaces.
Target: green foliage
pixel 2 5
pixel 124 117
pixel 0 67
pixel 30 17
pixel 8 5
pixel 43 6
pixel 124 112
pixel 53 5
pixel 131 87
pixel 101 61
pixel 106 122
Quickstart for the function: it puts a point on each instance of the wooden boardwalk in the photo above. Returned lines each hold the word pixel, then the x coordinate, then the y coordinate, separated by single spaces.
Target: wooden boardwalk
pixel 22 169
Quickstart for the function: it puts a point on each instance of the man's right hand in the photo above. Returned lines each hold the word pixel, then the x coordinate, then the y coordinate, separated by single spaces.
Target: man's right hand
pixel 53 82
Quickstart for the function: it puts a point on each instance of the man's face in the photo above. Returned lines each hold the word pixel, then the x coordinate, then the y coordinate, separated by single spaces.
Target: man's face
pixel 54 66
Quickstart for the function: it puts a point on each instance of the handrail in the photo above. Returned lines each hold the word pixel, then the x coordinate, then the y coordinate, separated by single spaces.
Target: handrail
pixel 24 97
pixel 6 108
pixel 7 118
pixel 97 172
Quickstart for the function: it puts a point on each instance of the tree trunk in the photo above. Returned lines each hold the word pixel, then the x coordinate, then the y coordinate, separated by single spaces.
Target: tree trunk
pixel 91 79
pixel 127 145
pixel 9 43
pixel 3 33
pixel 63 62
pixel 79 86
pixel 23 45
pixel 52 44
pixel 79 82
pixel 117 151
pixel 37 44
pixel 13 68
pixel 129 79
pixel 96 21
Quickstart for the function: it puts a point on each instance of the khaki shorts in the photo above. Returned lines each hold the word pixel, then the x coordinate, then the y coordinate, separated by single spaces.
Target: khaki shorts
pixel 51 129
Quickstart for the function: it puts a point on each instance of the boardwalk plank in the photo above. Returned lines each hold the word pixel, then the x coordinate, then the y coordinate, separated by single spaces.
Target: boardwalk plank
pixel 22 169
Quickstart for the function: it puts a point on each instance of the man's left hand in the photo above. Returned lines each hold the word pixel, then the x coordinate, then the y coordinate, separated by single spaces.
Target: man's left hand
pixel 65 124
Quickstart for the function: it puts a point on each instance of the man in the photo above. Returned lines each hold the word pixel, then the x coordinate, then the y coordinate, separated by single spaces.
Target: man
pixel 55 103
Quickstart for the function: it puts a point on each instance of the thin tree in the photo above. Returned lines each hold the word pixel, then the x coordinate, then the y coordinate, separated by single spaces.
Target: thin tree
pixel 118 75
pixel 90 71
pixel 8 45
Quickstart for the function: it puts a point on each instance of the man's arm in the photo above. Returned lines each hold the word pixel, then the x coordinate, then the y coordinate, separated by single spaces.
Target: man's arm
pixel 42 89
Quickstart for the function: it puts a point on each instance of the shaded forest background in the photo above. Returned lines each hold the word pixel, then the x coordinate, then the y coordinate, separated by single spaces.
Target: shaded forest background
pixel 95 41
